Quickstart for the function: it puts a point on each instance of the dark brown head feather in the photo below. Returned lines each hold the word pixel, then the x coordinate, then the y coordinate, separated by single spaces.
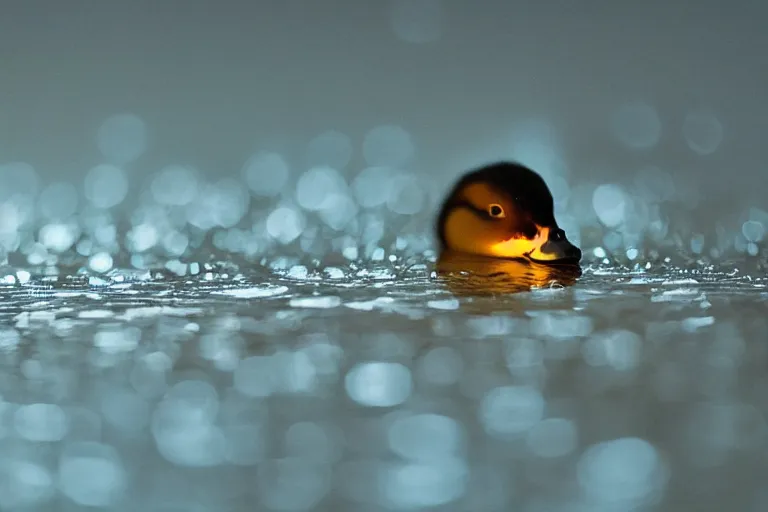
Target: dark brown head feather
pixel 521 184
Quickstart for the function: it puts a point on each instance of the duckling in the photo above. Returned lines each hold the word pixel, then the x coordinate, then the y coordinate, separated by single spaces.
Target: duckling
pixel 504 210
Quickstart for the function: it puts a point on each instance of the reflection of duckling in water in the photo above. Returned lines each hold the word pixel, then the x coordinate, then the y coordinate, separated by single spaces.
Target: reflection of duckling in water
pixel 468 274
pixel 498 224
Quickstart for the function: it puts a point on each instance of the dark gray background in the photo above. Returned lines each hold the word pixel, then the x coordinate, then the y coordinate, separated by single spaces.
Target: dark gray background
pixel 215 81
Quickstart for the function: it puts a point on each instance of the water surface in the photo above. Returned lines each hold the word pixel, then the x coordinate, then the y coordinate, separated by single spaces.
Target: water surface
pixel 380 389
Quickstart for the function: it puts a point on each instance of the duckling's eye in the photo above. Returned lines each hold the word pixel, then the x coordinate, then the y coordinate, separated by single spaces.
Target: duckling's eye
pixel 496 211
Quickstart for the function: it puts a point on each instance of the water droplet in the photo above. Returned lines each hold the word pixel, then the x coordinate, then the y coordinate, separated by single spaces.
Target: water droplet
pixel 315 302
pixel 117 340
pixel 510 410
pixel 702 131
pixel 142 237
pixel 419 486
pixel 378 384
pixel 58 200
pixel 91 474
pixel 618 348
pixel 174 185
pixel 41 422
pixel 58 237
pixel 623 470
pixel 372 186
pixel 610 204
pixel 444 304
pixel 183 429
pixel 338 211
pixel 753 231
pixel 285 224
pixel 267 290
pixel 697 243
pixel 266 173
pixel 9 337
pixel 221 204
pixel 318 187
pixel 100 262
pixel 106 186
pixel 26 485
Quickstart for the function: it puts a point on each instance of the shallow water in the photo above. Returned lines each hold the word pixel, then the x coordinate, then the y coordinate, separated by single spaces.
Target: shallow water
pixel 379 389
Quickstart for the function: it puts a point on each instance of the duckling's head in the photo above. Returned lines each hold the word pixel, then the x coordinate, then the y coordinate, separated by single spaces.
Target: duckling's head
pixel 504 210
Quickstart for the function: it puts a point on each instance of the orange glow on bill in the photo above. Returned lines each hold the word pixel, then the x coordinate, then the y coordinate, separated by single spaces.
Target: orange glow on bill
pixel 523 247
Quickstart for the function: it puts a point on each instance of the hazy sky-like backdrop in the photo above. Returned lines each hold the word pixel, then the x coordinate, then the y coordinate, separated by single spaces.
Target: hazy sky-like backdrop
pixel 616 87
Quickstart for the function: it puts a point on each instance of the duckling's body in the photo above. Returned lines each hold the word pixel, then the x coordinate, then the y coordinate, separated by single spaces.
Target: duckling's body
pixel 504 210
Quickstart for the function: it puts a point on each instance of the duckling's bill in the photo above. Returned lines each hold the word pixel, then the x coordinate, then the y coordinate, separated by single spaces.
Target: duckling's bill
pixel 548 246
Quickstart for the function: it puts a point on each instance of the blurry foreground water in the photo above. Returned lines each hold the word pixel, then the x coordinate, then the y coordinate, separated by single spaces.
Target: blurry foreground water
pixel 377 389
